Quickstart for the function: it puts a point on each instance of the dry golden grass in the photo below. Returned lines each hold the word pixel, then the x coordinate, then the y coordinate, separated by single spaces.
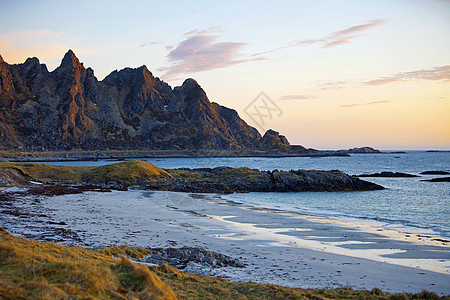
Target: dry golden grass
pixel 129 172
pixel 125 173
pixel 35 270
pixel 49 173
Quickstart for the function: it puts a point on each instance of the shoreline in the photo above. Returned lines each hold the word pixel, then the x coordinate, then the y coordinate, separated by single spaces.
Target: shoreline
pixel 277 247
pixel 119 155
pixel 391 228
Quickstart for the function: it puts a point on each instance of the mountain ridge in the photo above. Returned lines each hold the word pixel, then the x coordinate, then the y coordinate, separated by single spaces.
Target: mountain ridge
pixel 68 109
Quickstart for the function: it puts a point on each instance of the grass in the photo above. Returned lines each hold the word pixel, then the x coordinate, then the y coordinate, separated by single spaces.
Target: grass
pixel 49 174
pixel 124 173
pixel 224 177
pixel 35 270
pixel 128 173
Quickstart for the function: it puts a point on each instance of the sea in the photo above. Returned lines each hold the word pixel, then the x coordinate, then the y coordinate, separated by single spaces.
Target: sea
pixel 408 205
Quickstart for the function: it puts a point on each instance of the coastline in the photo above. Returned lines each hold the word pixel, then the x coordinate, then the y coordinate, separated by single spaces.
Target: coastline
pixel 278 247
pixel 119 155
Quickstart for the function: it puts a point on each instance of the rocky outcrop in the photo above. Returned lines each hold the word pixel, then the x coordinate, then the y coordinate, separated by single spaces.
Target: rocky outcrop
pixel 273 140
pixel 181 257
pixel 361 150
pixel 388 174
pixel 435 173
pixel 217 180
pixel 440 179
pixel 243 180
pixel 13 177
pixel 69 108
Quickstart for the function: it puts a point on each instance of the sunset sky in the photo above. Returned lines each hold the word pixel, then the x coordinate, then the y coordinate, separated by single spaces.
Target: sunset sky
pixel 343 73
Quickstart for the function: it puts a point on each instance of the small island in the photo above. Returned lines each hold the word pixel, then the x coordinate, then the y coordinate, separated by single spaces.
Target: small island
pixel 137 173
pixel 387 174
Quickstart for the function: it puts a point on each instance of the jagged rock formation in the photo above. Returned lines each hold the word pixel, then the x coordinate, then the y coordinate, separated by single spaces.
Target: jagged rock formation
pixel 69 108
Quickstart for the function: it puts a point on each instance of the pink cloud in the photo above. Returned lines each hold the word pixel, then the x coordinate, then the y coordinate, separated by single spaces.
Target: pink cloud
pixel 436 73
pixel 201 53
pixel 337 38
pixel 359 28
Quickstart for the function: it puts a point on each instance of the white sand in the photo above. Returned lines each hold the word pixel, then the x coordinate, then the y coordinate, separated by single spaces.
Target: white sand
pixel 277 247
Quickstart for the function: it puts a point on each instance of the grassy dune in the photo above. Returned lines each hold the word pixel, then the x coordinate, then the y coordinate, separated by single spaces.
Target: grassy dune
pixel 35 270
pixel 128 172
pixel 49 174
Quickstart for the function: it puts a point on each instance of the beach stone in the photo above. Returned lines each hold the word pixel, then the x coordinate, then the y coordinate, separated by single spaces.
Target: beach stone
pixel 181 257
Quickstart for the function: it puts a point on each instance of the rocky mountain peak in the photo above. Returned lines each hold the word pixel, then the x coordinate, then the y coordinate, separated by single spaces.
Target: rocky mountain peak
pixel 33 74
pixel 273 140
pixel 6 80
pixel 90 72
pixel 190 84
pixel 70 61
pixel 32 61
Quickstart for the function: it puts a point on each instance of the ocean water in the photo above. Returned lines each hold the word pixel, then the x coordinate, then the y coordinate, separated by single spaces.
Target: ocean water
pixel 407 204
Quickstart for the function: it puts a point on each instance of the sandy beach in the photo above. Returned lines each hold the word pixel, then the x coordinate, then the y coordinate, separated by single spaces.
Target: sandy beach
pixel 277 247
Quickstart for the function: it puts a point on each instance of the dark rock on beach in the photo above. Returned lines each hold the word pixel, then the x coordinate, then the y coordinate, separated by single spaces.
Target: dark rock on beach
pixel 180 258
pixel 387 174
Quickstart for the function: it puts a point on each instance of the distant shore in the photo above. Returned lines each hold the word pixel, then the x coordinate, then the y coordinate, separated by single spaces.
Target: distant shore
pixel 81 155
pixel 85 155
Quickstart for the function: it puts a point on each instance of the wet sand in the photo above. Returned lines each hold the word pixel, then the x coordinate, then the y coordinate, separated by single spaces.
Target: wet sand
pixel 277 247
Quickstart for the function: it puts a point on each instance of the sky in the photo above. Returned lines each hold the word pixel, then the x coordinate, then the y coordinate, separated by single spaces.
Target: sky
pixel 333 74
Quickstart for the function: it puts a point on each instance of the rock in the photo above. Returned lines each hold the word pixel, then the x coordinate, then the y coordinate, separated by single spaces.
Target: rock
pixel 435 173
pixel 180 258
pixel 440 179
pixel 230 180
pixel 387 174
pixel 362 150
pixel 272 140
pixel 13 177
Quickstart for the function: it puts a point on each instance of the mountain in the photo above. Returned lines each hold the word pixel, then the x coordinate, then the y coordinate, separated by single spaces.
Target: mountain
pixel 69 109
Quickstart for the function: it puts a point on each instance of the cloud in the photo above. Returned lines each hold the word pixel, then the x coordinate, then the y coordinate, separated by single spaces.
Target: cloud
pixel 365 104
pixel 199 53
pixel 212 29
pixel 441 73
pixel 298 97
pixel 359 28
pixel 148 44
pixel 436 73
pixel 335 85
pixel 334 39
